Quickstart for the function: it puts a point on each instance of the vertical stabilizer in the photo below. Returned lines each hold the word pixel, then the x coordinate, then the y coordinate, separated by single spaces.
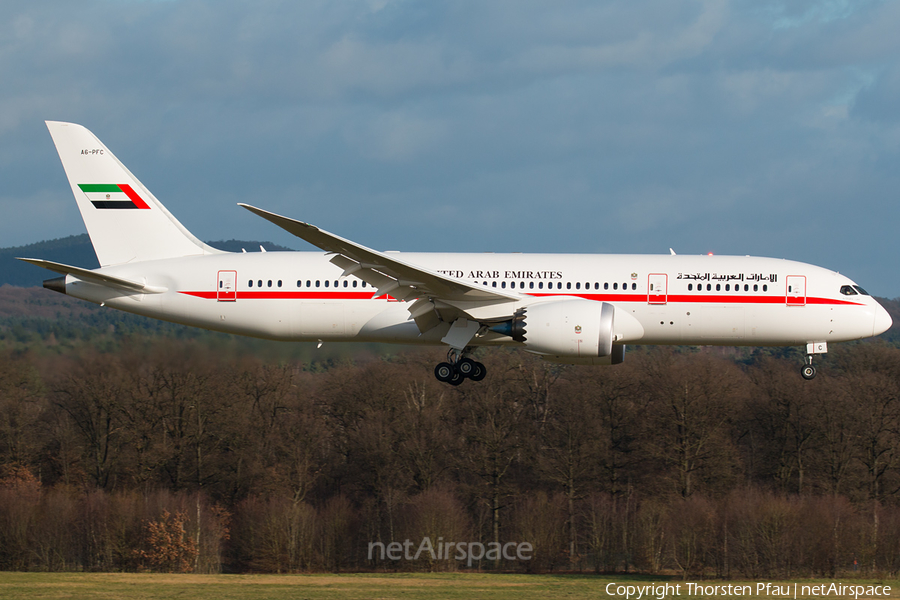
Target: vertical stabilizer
pixel 125 221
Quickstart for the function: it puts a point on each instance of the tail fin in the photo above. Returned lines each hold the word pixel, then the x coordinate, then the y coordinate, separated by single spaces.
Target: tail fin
pixel 125 221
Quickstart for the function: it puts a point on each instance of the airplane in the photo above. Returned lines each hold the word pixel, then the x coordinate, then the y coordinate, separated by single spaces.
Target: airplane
pixel 567 308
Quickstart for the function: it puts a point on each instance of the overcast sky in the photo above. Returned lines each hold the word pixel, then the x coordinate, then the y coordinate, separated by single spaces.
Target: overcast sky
pixel 746 127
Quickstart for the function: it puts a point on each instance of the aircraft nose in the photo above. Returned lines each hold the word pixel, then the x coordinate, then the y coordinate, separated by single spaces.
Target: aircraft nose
pixel 883 320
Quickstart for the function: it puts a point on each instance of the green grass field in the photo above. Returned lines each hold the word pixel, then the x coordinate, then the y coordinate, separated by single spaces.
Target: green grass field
pixel 34 586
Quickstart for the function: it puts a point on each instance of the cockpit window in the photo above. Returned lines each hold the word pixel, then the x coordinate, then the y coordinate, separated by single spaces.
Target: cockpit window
pixel 860 290
pixel 848 290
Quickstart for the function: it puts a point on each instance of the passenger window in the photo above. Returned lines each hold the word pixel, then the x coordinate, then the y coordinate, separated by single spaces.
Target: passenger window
pixel 318 282
pixel 708 287
pixel 298 283
pixel 354 283
pixel 270 283
pixel 718 287
pixel 746 288
pixel 530 285
pixel 727 287
pixel 503 285
pixel 540 285
pixel 615 286
pixel 690 286
pixel 568 285
pixel 493 284
pixel 308 283
pixel 326 283
pixel 250 283
pixel 765 288
pixel 633 286
pixel 259 283
pixel 606 286
pixel 755 287
pixel 559 285
pixel 279 283
pixel 345 283
pixel 578 286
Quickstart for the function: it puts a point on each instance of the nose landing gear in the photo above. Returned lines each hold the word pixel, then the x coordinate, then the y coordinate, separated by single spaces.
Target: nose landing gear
pixel 458 368
pixel 808 371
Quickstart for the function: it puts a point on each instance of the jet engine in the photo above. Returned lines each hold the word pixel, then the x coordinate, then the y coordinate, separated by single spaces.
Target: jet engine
pixel 574 327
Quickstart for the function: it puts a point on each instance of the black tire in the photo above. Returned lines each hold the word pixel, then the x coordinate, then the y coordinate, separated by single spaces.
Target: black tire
pixel 479 372
pixel 808 372
pixel 457 378
pixel 466 367
pixel 444 372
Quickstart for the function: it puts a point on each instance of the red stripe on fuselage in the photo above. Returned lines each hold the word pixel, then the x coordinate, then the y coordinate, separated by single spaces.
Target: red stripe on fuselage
pixel 247 295
pixel 633 298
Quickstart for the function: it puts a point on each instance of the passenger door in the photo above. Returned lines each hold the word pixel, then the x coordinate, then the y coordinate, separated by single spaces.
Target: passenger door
pixel 796 290
pixel 227 289
pixel 657 288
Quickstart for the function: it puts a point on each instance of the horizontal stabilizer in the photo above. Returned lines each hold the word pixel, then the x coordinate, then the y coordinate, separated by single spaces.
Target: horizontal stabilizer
pixel 95 277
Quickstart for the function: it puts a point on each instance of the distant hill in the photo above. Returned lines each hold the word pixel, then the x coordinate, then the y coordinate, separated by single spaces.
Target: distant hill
pixel 77 250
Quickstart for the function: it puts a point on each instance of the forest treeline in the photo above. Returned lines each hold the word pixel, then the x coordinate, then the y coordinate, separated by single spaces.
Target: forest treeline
pixel 170 456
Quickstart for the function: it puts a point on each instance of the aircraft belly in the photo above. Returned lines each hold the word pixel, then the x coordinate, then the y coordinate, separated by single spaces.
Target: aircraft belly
pixel 720 324
pixel 737 325
pixel 393 324
pixel 257 318
pixel 319 319
pixel 785 325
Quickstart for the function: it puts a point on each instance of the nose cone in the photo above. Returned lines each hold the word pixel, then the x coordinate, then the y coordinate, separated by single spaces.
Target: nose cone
pixel 883 320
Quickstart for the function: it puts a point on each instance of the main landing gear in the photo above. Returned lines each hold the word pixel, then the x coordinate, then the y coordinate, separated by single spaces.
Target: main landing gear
pixel 458 368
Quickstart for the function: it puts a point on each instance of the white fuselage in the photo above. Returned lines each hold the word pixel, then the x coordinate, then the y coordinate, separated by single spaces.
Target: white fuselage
pixel 301 296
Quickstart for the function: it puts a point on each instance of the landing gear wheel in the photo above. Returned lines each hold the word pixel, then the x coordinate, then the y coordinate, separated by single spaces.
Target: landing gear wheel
pixel 808 372
pixel 479 372
pixel 444 372
pixel 457 378
pixel 466 367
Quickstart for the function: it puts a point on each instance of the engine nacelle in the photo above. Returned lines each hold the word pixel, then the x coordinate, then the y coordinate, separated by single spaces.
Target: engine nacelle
pixel 570 328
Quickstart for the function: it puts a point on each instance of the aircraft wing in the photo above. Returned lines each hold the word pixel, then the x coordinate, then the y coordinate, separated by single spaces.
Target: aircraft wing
pixel 94 277
pixel 390 275
pixel 407 280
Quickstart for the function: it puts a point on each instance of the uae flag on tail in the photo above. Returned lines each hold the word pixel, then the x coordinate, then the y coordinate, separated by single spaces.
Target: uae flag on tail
pixel 112 195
